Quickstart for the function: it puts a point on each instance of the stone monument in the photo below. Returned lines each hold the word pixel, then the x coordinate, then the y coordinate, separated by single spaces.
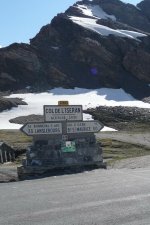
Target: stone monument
pixel 63 140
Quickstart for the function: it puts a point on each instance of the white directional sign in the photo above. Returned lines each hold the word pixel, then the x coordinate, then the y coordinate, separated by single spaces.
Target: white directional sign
pixel 42 128
pixel 63 113
pixel 84 127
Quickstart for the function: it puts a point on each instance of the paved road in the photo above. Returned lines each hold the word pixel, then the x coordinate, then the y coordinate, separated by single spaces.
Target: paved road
pixel 99 197
pixel 134 138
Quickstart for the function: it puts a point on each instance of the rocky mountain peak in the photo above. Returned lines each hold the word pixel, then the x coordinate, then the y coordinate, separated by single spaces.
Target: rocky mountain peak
pixel 99 43
pixel 122 12
pixel 144 6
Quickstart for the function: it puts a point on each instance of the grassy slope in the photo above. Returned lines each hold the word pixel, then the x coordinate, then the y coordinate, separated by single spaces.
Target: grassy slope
pixel 15 138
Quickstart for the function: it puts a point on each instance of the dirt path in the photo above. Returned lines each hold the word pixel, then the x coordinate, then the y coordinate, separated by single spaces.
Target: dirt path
pixel 142 139
pixel 130 137
pixel 132 163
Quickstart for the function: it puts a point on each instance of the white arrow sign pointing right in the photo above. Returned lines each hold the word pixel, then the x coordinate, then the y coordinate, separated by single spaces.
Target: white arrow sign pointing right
pixel 84 127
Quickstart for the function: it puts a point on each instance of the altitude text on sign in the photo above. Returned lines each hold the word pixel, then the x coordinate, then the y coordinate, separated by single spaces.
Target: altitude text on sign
pixel 62 113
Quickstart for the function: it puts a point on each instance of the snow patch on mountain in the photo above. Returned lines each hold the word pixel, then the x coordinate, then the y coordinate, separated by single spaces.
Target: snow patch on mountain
pixel 95 11
pixel 133 33
pixel 104 30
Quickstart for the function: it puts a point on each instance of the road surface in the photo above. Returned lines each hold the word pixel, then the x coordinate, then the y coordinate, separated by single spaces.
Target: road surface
pixel 98 197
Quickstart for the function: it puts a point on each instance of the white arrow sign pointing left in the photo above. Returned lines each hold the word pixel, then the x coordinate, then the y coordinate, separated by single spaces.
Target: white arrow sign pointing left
pixel 42 128
pixel 84 127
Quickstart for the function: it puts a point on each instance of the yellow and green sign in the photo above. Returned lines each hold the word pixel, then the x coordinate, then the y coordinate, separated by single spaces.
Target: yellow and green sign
pixel 68 146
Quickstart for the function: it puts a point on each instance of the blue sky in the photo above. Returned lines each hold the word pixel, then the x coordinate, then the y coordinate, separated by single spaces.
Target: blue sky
pixel 21 20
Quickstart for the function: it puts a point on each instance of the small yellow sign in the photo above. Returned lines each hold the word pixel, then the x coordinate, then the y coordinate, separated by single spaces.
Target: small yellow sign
pixel 63 103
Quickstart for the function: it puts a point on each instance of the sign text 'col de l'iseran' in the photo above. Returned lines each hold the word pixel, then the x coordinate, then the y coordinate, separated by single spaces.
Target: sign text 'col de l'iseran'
pixel 62 113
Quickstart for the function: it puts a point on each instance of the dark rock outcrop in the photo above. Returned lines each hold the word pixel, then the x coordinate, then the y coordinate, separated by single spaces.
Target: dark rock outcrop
pixel 126 13
pixel 27 119
pixel 8 103
pixel 122 118
pixel 144 6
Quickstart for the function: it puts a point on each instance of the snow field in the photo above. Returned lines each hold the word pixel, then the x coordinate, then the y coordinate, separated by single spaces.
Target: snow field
pixel 78 96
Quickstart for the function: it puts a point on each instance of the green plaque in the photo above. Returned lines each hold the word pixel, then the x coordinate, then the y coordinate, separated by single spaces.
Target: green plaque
pixel 68 146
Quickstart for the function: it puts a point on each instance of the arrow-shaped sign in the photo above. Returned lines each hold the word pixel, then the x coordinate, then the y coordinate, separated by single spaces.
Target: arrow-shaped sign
pixel 32 129
pixel 84 127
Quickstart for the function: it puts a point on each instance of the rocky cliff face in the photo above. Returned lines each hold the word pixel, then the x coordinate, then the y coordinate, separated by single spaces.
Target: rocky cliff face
pixel 144 6
pixel 99 43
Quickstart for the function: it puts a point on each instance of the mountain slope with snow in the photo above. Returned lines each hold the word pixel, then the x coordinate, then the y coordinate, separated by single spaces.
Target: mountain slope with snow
pixel 94 44
pixel 92 25
pixel 95 13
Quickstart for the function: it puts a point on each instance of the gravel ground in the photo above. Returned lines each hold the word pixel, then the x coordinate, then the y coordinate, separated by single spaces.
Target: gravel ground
pixel 132 163
pixel 8 173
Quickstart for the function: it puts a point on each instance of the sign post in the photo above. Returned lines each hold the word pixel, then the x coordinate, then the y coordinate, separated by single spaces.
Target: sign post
pixel 63 140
